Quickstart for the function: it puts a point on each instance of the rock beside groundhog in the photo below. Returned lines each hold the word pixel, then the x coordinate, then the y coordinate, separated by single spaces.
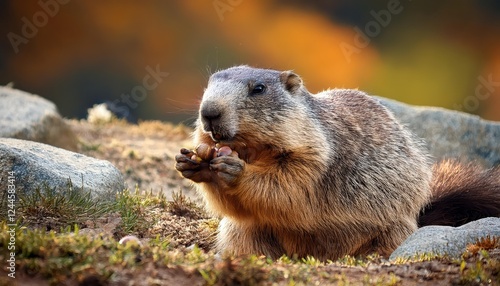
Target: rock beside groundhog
pixel 447 240
pixel 35 165
pixel 31 117
pixel 450 134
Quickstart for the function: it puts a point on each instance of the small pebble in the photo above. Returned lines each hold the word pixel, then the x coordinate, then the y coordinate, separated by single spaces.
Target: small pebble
pixel 130 239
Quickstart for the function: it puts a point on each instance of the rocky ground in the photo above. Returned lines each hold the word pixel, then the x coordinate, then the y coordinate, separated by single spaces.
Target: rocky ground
pixel 166 218
pixel 144 154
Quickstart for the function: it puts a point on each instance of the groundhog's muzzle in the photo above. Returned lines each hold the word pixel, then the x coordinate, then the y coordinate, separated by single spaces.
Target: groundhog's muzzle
pixel 211 116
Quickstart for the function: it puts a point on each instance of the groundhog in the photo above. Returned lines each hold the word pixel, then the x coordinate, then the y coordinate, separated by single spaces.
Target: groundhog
pixel 324 175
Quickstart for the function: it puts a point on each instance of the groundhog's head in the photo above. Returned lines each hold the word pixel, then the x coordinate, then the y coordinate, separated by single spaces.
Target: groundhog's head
pixel 245 107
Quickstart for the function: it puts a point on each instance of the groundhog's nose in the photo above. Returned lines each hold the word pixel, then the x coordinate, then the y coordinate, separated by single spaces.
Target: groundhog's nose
pixel 211 117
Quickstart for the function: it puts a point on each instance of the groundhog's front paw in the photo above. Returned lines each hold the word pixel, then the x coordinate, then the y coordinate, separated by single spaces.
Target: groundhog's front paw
pixel 227 167
pixel 192 166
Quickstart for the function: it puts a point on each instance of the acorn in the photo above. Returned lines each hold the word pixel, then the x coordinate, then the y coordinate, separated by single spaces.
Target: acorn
pixel 205 152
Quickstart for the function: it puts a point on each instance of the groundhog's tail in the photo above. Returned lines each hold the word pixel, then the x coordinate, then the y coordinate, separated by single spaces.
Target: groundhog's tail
pixel 461 193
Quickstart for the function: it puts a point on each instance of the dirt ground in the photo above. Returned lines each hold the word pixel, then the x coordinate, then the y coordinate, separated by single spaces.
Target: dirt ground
pixel 144 153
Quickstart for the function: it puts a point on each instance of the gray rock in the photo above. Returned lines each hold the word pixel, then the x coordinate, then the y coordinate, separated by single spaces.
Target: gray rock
pixel 36 164
pixel 451 134
pixel 446 240
pixel 31 117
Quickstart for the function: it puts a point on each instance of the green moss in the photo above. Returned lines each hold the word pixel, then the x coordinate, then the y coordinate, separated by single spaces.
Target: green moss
pixel 66 255
pixel 135 210
pixel 477 266
pixel 183 206
pixel 56 257
pixel 389 280
pixel 70 256
pixel 51 208
pixel 419 257
pixel 89 146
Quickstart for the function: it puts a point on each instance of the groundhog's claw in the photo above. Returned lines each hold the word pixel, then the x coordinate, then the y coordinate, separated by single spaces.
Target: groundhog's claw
pixel 186 152
pixel 228 168
pixel 210 165
pixel 192 169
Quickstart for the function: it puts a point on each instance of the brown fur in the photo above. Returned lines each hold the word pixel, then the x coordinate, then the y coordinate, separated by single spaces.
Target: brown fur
pixel 323 175
pixel 461 193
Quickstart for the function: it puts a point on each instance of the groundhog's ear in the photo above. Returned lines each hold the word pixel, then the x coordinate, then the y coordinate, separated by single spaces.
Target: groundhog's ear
pixel 291 81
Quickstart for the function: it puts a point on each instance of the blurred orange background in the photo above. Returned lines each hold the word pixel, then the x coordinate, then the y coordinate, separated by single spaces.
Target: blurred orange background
pixel 152 59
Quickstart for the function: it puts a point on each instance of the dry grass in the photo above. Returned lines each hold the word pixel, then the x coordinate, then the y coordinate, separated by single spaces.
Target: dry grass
pixel 72 255
pixel 71 240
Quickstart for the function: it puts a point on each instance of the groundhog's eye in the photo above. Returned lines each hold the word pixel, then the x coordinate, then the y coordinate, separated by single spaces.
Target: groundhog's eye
pixel 258 88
